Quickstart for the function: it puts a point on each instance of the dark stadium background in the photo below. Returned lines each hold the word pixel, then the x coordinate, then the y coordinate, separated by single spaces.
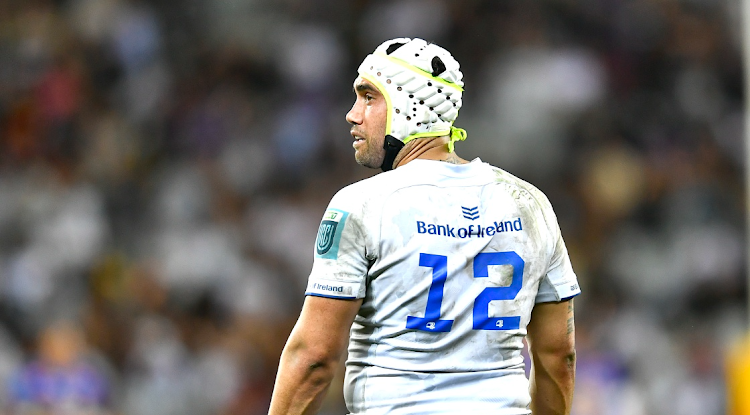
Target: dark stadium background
pixel 164 166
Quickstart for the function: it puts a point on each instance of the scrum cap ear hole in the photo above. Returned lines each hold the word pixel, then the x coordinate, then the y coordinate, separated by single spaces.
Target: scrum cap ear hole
pixel 438 66
pixel 393 47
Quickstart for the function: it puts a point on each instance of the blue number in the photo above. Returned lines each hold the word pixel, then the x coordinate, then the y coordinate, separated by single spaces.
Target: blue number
pixel 482 321
pixel 431 320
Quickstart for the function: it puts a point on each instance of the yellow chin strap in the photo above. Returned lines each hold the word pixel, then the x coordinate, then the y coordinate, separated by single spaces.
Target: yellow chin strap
pixel 457 134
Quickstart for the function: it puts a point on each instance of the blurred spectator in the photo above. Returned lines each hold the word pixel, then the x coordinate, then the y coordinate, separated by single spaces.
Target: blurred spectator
pixel 61 378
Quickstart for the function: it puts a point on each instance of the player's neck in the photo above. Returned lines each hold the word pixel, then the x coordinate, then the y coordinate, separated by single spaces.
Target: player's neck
pixel 428 148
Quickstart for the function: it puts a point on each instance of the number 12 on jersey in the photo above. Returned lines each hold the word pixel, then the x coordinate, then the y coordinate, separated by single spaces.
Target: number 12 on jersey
pixel 481 320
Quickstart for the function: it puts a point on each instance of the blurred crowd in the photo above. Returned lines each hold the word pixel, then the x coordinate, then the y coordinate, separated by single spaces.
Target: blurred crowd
pixel 164 165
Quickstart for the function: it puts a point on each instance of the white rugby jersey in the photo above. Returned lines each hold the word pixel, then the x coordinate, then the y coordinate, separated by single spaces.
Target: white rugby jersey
pixel 449 261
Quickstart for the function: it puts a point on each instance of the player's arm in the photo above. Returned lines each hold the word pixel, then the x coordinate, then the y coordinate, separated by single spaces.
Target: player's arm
pixel 551 339
pixel 312 355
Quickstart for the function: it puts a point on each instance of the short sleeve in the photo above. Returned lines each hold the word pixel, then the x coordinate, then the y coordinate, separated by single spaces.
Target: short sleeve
pixel 560 282
pixel 340 263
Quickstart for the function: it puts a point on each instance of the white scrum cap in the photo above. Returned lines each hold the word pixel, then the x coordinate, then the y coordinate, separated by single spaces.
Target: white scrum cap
pixel 422 85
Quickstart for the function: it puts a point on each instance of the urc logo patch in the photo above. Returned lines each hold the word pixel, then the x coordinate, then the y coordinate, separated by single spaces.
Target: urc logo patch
pixel 329 233
pixel 326 232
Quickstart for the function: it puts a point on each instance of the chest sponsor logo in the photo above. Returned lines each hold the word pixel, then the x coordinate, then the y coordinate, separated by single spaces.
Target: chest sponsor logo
pixel 470 212
pixel 475 231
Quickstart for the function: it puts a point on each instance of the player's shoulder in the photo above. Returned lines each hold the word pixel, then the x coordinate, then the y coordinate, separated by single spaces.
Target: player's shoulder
pixel 519 188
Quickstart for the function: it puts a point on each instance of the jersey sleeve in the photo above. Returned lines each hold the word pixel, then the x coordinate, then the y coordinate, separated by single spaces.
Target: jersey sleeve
pixel 560 282
pixel 340 261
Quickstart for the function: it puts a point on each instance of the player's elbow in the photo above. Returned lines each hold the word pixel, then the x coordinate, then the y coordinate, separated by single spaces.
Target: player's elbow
pixel 558 361
pixel 564 351
pixel 314 358
pixel 570 359
pixel 560 348
pixel 319 360
pixel 318 369
pixel 563 357
pixel 562 366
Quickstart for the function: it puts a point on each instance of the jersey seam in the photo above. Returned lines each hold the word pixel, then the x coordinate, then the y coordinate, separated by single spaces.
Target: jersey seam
pixel 542 206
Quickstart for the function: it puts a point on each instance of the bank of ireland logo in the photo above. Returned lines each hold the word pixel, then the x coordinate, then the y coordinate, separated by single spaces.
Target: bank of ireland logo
pixel 470 212
pixel 329 233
